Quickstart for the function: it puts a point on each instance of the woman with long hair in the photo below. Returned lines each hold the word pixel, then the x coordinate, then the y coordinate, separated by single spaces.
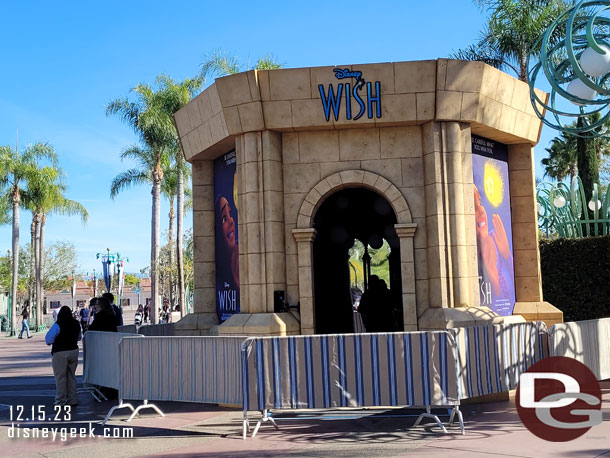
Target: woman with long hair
pixel 105 318
pixel 63 338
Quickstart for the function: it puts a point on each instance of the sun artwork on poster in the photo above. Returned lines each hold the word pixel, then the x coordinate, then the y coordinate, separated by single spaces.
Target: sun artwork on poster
pixel 494 184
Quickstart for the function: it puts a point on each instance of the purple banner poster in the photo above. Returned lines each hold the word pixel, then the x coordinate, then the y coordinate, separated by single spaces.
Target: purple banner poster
pixel 493 225
pixel 226 237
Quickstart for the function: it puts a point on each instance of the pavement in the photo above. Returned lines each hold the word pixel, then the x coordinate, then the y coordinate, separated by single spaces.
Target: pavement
pixel 190 429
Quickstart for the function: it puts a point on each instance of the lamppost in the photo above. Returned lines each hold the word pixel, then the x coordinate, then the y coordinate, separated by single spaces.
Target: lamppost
pixel 138 291
pixel 575 60
pixel 113 264
pixel 73 289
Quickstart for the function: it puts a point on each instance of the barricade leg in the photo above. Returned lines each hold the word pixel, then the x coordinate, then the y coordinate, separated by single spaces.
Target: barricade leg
pixel 113 408
pixel 246 424
pixel 460 418
pixel 94 392
pixel 429 414
pixel 266 417
pixel 146 405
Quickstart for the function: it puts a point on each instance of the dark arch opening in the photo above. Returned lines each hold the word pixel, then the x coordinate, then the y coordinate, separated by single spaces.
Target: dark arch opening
pixel 347 215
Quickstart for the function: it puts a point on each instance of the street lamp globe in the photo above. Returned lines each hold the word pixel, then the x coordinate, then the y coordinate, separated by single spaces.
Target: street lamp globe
pixel 559 201
pixel 594 206
pixel 595 63
pixel 579 89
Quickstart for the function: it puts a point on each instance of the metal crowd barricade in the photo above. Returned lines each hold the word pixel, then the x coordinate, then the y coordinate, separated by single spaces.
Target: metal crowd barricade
pixel 492 358
pixel 586 341
pixel 416 369
pixel 188 369
pixel 127 329
pixel 163 329
pixel 101 364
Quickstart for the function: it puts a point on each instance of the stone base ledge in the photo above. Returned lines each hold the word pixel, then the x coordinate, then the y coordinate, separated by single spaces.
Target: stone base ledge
pixel 196 324
pixel 260 324
pixel 539 311
pixel 459 317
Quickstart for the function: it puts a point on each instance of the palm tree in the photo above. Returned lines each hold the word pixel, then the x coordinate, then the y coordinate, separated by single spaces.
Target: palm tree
pixel 45 195
pixel 513 28
pixel 149 171
pixel 151 118
pixel 176 95
pixel 170 190
pixel 54 202
pixel 562 160
pixel 32 197
pixel 15 170
pixel 220 63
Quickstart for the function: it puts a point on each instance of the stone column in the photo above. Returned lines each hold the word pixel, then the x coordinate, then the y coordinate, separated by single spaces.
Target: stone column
pixel 405 233
pixel 455 135
pixel 204 316
pixel 253 294
pixel 273 200
pixel 526 253
pixel 304 239
pixel 434 176
pixel 262 264
pixel 450 232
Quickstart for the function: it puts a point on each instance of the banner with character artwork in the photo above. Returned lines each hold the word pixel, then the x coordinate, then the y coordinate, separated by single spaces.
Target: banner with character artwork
pixel 226 236
pixel 493 225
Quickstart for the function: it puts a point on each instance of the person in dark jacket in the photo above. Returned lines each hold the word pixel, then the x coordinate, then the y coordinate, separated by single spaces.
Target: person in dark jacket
pixel 105 319
pixel 117 310
pixel 63 338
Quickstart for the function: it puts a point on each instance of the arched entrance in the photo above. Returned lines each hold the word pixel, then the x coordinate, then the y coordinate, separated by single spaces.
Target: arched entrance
pixel 348 215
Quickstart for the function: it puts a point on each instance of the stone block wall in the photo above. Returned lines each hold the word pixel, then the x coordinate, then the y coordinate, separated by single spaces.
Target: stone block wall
pixel 311 162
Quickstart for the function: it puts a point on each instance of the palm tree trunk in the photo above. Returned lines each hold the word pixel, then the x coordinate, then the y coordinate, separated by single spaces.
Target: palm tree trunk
pixel 15 278
pixel 179 252
pixel 170 242
pixel 154 252
pixel 43 221
pixel 32 283
pixel 37 273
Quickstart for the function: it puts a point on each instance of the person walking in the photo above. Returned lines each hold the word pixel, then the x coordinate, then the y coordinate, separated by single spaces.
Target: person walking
pixel 84 317
pixel 25 314
pixel 63 338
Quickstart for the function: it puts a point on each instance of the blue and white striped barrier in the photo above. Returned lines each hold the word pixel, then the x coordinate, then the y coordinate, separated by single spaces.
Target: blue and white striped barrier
pixel 350 370
pixel 586 341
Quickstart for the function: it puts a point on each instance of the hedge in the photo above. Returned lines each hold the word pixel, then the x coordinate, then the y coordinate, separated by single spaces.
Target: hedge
pixel 576 276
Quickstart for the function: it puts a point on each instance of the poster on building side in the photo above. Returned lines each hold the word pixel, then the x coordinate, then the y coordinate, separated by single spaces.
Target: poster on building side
pixel 493 225
pixel 226 236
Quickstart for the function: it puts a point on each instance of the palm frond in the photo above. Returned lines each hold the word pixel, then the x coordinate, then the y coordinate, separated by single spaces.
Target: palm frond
pixel 127 179
pixel 69 207
pixel 267 62
pixel 126 110
pixel 219 63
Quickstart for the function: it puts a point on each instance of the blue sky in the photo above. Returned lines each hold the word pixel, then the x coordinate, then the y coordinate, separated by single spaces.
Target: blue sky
pixel 64 61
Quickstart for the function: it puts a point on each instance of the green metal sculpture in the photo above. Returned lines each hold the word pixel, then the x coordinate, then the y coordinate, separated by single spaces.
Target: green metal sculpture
pixel 563 210
pixel 575 59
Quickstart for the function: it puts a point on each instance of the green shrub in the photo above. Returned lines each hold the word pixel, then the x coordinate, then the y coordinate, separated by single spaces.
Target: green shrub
pixel 576 276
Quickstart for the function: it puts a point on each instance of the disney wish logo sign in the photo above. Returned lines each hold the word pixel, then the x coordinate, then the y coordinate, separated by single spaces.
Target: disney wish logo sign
pixel 331 100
